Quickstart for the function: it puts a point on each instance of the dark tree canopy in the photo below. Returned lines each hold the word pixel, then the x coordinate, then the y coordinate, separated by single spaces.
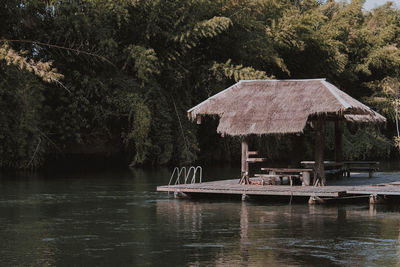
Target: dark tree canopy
pixel 117 76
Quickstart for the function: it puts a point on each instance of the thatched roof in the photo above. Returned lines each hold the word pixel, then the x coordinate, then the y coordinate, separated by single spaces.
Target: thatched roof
pixel 280 106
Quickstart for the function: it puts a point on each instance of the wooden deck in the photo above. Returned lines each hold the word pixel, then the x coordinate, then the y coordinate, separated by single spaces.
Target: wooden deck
pixel 231 187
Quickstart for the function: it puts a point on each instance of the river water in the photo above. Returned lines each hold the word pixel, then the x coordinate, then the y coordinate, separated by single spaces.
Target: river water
pixel 118 219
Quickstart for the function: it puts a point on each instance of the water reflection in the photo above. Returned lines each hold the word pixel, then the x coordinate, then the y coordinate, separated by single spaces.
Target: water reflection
pixel 244 239
pixel 293 235
pixel 118 219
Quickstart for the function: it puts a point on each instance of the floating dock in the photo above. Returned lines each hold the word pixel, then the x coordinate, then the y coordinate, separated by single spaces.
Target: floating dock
pixel 376 193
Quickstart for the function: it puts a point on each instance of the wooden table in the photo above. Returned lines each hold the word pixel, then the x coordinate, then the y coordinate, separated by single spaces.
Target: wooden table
pixel 310 164
pixel 331 167
pixel 303 174
pixel 370 166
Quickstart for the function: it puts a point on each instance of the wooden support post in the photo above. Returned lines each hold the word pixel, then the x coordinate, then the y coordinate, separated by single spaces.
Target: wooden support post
pixel 198 119
pixel 181 195
pixel 376 199
pixel 370 173
pixel 338 141
pixel 319 172
pixel 245 164
pixel 315 200
pixel 305 178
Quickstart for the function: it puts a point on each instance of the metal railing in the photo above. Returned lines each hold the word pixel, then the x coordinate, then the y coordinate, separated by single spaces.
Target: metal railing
pixel 185 175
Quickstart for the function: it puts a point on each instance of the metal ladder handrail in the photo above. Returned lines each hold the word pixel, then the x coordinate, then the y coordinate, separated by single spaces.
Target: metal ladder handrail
pixel 200 175
pixel 172 176
pixel 178 173
pixel 195 170
pixel 178 178
pixel 188 173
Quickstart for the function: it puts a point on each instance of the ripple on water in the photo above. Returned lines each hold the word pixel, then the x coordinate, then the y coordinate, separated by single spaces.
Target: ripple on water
pixel 49 239
pixel 36 199
pixel 98 249
pixel 131 243
pixel 118 220
pixel 203 245
pixel 81 237
pixel 343 249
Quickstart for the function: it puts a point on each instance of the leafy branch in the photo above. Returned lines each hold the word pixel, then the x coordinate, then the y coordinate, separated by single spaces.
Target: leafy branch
pixel 60 47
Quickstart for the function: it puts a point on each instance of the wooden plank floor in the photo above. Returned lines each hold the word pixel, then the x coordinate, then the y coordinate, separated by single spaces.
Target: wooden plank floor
pixel 387 190
pixel 232 187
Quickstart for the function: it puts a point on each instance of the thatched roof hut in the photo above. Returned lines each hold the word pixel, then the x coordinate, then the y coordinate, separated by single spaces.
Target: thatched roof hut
pixel 285 106
pixel 280 106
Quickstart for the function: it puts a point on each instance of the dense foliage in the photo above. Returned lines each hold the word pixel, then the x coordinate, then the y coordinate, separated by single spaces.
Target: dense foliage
pixel 116 76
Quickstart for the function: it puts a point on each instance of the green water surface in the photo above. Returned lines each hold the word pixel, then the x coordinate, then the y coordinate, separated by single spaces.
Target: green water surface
pixel 118 219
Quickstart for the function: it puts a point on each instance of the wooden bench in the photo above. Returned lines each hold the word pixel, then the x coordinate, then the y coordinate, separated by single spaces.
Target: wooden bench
pixel 362 166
